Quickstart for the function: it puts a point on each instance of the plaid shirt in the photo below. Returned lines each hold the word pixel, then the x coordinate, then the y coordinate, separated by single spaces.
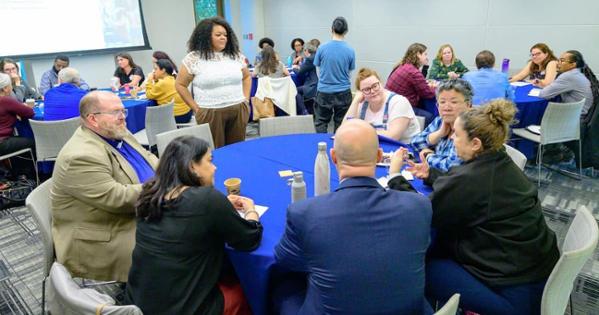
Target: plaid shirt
pixel 445 156
pixel 406 80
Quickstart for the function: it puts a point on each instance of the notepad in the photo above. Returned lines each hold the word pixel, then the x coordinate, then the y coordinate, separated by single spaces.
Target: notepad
pixel 260 209
pixel 534 92
pixel 286 173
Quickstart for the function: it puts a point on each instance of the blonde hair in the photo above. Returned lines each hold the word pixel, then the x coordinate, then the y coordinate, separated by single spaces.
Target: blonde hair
pixel 365 73
pixel 490 123
pixel 440 53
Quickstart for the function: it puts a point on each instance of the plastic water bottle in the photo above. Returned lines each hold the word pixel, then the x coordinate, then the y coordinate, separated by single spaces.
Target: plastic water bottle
pixel 322 171
pixel 298 187
pixel 505 65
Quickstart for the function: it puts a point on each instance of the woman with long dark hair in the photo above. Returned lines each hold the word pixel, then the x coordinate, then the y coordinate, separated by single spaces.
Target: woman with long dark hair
pixel 221 81
pixel 541 69
pixel 270 66
pixel 183 224
pixel 127 71
pixel 160 87
pixel 158 54
pixel 407 80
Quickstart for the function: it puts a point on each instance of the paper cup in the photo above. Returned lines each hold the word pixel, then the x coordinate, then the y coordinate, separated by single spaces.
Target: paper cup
pixel 233 186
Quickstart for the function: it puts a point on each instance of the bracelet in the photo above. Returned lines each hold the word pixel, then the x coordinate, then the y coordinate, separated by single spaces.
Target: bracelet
pixel 250 211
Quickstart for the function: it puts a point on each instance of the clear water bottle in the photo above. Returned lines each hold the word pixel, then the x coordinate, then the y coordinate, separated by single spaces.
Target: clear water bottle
pixel 298 187
pixel 322 171
pixel 505 65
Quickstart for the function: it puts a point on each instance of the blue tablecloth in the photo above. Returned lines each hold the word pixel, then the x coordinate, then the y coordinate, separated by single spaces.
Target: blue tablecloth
pixel 136 117
pixel 257 163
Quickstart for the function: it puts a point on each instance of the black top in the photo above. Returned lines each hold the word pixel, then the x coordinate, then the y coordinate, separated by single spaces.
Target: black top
pixel 126 77
pixel 177 260
pixel 489 220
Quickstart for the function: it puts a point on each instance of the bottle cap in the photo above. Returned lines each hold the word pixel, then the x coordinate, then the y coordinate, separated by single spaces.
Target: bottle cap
pixel 322 146
pixel 298 176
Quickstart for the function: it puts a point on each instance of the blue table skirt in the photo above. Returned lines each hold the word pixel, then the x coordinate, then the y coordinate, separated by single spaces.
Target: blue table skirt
pixel 257 163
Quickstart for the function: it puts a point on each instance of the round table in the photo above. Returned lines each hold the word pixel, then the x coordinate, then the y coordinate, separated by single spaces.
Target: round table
pixel 257 162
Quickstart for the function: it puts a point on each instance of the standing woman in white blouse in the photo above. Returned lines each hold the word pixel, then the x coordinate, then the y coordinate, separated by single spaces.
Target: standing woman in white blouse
pixel 220 80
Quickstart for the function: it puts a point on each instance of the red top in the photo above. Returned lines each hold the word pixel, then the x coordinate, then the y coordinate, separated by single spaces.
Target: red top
pixel 408 81
pixel 9 110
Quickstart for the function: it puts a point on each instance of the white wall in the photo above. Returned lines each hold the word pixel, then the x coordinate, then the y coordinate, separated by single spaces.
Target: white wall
pixel 168 25
pixel 381 30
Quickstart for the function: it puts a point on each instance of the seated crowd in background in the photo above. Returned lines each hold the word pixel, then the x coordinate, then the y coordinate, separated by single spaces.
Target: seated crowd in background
pixel 107 226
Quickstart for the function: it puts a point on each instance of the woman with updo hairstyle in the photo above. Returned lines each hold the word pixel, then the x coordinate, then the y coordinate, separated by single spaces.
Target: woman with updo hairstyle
pixel 492 243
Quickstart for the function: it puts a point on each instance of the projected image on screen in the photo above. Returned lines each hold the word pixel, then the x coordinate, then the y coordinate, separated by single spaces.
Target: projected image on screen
pixel 51 26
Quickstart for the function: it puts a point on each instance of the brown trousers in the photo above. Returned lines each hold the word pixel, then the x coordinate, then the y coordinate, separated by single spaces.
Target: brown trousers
pixel 227 124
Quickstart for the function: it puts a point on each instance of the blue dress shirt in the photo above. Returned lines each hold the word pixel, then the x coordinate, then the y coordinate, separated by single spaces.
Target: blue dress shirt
pixel 489 84
pixel 142 168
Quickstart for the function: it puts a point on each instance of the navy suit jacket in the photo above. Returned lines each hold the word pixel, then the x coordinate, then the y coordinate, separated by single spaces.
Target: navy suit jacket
pixel 307 72
pixel 363 248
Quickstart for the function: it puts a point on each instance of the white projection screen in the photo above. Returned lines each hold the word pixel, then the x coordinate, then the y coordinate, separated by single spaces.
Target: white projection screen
pixel 48 27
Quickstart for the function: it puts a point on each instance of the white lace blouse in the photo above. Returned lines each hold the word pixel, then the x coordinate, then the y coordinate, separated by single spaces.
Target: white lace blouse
pixel 217 82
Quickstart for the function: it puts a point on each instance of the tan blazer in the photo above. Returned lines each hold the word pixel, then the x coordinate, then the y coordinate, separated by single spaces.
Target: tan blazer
pixel 93 198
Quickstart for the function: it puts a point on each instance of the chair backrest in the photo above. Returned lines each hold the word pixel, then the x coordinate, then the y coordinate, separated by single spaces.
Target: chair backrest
pixel 282 91
pixel 51 136
pixel 561 122
pixel 421 121
pixel 200 131
pixel 67 298
pixel 518 157
pixel 39 204
pixel 158 120
pixel 286 125
pixel 578 247
pixel 451 307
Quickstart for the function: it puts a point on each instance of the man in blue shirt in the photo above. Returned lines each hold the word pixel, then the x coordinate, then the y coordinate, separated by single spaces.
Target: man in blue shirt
pixel 62 102
pixel 335 59
pixel 487 83
pixel 50 78
pixel 363 247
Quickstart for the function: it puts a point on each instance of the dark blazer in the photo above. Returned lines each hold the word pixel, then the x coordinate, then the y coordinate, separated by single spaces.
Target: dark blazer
pixel 488 217
pixel 307 72
pixel 362 246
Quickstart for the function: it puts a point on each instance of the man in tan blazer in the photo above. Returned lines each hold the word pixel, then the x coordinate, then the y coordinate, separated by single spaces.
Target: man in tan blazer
pixel 97 179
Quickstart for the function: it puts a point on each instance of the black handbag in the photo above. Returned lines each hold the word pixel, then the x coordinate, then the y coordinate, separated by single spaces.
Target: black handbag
pixel 14 193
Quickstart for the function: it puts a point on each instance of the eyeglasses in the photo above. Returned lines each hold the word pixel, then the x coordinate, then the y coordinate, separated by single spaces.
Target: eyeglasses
pixel 373 88
pixel 115 113
pixel 562 60
pixel 536 54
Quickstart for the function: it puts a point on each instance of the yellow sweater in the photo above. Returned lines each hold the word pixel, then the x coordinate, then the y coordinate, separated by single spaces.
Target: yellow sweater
pixel 164 91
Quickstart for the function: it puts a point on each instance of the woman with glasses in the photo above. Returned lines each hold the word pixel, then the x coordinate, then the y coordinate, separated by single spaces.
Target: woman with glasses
pixel 435 142
pixel 390 114
pixel 493 245
pixel 183 224
pixel 297 56
pixel 20 89
pixel 541 70
pixel 446 65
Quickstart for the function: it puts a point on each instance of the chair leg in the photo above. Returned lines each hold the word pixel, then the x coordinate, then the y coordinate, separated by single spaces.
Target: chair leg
pixel 37 176
pixel 539 161
pixel 44 296
pixel 580 158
